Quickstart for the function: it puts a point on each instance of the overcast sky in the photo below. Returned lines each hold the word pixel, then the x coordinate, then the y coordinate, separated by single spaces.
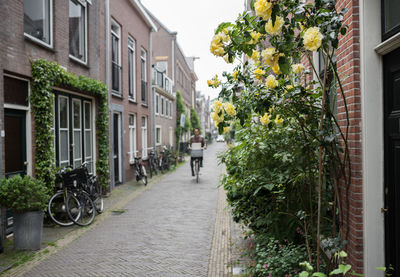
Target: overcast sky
pixel 195 22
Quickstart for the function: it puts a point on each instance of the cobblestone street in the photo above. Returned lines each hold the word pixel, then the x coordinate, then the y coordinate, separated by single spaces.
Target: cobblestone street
pixel 165 231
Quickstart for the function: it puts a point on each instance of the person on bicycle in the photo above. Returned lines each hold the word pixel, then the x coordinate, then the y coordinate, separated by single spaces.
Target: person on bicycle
pixel 197 139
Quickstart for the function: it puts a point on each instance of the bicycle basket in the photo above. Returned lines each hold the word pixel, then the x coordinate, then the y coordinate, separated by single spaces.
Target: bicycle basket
pixel 196 153
pixel 75 178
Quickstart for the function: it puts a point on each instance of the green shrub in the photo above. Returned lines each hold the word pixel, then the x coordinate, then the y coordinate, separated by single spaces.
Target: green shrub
pixel 23 194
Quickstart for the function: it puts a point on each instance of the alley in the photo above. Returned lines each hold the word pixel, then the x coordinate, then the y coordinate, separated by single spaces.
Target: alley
pixel 165 231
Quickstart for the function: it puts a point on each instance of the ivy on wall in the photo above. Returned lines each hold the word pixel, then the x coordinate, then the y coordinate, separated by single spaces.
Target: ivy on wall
pixel 46 75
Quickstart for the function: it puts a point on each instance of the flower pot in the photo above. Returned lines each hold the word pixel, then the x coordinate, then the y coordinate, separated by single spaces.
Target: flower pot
pixel 28 227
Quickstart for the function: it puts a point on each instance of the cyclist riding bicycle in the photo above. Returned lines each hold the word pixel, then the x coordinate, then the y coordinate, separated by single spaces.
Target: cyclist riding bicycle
pixel 197 139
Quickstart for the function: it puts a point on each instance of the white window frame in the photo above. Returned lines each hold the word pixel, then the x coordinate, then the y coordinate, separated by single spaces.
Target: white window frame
pixel 79 130
pixel 170 109
pixel 143 57
pixel 160 138
pixel 84 61
pixel 132 139
pixel 157 104
pixel 63 129
pixel 85 129
pixel 132 71
pixel 119 61
pixel 162 111
pixel 144 137
pixel 50 28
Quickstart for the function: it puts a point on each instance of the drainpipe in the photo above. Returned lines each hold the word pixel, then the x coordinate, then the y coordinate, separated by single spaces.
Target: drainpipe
pixel 107 81
pixel 151 102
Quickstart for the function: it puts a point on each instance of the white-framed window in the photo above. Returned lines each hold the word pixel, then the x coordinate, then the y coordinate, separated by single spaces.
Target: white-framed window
pixel 132 68
pixel 170 110
pixel 167 108
pixel 132 138
pixel 143 75
pixel 162 105
pixel 157 103
pixel 38 21
pixel 63 131
pixel 77 132
pixel 116 58
pixel 78 30
pixel 171 136
pixel 144 136
pixel 88 134
pixel 158 135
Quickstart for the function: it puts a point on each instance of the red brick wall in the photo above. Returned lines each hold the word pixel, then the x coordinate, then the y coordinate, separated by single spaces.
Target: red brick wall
pixel 348 65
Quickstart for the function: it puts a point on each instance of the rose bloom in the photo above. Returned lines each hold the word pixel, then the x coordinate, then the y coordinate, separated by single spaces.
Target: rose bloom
pixel 276 28
pixel 229 108
pixel 217 106
pixel 312 39
pixel 298 68
pixel 259 73
pixel 216 46
pixel 276 69
pixel 270 56
pixel 263 9
pixel 255 36
pixel 278 120
pixel 216 118
pixel 265 120
pixel 226 58
pixel 226 129
pixel 255 56
pixel 271 81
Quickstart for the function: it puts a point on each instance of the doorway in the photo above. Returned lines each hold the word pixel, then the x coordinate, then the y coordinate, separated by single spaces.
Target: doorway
pixel 117 148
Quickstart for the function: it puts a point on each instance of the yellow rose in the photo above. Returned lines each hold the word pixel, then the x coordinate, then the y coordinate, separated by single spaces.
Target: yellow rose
pixel 224 36
pixel 263 9
pixel 226 58
pixel 255 36
pixel 259 73
pixel 226 130
pixel 216 118
pixel 271 81
pixel 278 120
pixel 217 106
pixel 216 46
pixel 276 28
pixel 270 56
pixel 229 108
pixel 235 74
pixel 255 56
pixel 298 68
pixel 276 69
pixel 288 87
pixel 213 82
pixel 270 110
pixel 312 39
pixel 265 120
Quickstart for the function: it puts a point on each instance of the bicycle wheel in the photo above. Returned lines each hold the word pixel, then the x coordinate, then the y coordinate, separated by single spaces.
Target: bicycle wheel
pixel 57 209
pixel 85 209
pixel 98 201
pixel 144 175
pixel 154 165
pixel 197 167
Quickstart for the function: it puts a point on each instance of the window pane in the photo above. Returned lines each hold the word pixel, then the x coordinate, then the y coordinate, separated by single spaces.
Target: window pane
pixel 77 30
pixel 77 114
pixel 392 18
pixel 37 19
pixel 63 110
pixel 88 144
pixel 64 145
pixel 77 145
pixel 87 116
pixel 131 72
pixel 144 122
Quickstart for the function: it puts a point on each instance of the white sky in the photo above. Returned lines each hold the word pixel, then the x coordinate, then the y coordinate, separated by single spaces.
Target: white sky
pixel 195 22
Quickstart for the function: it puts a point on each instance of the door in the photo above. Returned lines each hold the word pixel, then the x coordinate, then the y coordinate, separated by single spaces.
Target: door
pixel 14 149
pixel 392 158
pixel 116 148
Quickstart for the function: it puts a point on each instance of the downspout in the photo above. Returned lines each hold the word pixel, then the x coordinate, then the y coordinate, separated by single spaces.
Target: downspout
pixel 151 102
pixel 107 81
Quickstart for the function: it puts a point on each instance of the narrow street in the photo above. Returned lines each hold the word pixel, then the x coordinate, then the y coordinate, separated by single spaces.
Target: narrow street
pixel 165 231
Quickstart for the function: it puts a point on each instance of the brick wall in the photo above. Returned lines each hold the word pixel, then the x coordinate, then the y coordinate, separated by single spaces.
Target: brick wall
pixel 348 65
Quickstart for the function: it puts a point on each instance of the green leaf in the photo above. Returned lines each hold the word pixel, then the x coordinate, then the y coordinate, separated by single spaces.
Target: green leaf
pixel 382 268
pixel 319 274
pixel 284 65
pixel 336 271
pixel 304 274
pixel 345 268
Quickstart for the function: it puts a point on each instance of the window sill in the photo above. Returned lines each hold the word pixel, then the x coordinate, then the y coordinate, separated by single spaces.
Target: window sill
pixel 145 105
pixel 132 101
pixel 116 94
pixel 39 42
pixel 78 61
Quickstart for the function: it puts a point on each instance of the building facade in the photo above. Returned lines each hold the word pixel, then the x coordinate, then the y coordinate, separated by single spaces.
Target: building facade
pixel 130 30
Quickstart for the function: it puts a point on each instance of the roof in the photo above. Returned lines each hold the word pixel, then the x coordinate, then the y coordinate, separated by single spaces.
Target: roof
pixel 143 12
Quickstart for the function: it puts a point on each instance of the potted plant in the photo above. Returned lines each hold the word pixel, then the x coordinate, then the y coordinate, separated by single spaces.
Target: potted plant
pixel 27 198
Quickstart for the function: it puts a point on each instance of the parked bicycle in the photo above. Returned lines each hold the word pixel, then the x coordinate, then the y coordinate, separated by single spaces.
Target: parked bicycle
pixel 140 169
pixel 153 161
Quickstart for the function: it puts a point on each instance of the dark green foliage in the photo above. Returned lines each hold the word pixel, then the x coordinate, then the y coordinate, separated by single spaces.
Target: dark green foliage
pixel 46 75
pixel 194 120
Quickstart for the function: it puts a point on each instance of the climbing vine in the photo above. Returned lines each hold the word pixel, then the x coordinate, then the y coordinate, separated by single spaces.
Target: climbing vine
pixel 46 75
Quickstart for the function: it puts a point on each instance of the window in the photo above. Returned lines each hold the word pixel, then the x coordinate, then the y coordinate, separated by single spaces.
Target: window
pixel 132 138
pixel 391 18
pixel 171 136
pixel 38 20
pixel 170 109
pixel 166 108
pixel 132 69
pixel 162 105
pixel 74 123
pixel 158 135
pixel 77 30
pixel 143 69
pixel 157 104
pixel 116 58
pixel 144 136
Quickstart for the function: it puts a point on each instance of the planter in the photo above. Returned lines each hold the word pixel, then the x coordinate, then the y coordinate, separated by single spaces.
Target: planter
pixel 28 227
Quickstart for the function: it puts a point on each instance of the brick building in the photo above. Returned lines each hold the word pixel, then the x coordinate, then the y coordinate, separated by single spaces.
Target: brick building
pixel 130 51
